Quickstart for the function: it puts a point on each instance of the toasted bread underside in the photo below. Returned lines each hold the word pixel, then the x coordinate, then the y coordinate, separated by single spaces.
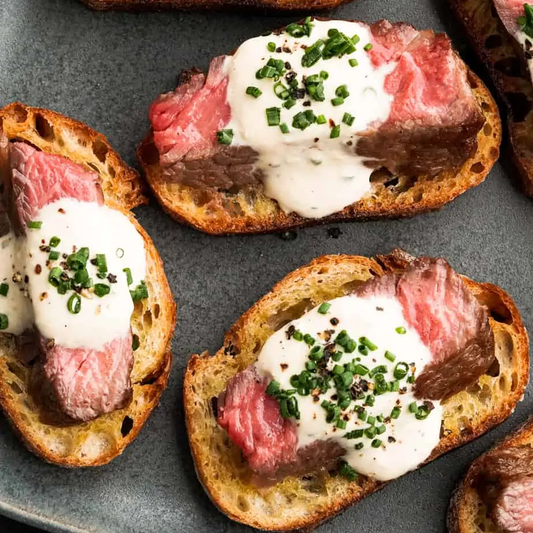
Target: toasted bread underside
pixel 251 211
pixel 101 440
pixel 468 513
pixel 303 503
pixel 138 5
pixel 497 49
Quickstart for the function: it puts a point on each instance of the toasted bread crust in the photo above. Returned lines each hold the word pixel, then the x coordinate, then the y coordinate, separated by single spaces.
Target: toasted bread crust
pixel 225 213
pixel 141 5
pixel 97 442
pixel 467 512
pixel 498 51
pixel 289 505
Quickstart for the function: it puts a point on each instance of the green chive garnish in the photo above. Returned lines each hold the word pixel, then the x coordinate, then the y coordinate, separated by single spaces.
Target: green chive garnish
pixel 376 443
pixel 53 255
pixel 359 446
pixel 400 370
pixel 101 263
pixel 353 62
pixel 324 308
pixel 337 101
pixel 4 289
pixel 101 289
pixel 54 278
pixel 74 303
pixel 335 132
pixel 129 277
pixel 309 339
pixel 273 388
pixel 284 128
pixel 4 321
pixel 368 343
pixel 341 424
pixel 395 413
pixel 348 472
pixel 78 260
pixel 273 115
pixel 298 336
pixel 225 136
pixel 54 241
pixel 348 119
pixel 390 356
pixel 401 330
pixel 368 47
pixel 321 119
pixel 140 293
pixel 289 103
pixel 271 46
pixel 35 224
pixel 254 91
pixel 355 434
pixel 342 91
pixel 413 408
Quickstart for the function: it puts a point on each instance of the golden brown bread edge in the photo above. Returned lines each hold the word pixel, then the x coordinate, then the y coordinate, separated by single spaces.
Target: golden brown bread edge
pixel 238 214
pixel 155 5
pixel 467 512
pixel 97 442
pixel 499 52
pixel 324 278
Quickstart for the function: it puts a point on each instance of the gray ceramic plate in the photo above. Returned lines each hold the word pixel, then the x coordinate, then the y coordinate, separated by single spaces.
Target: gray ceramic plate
pixel 104 69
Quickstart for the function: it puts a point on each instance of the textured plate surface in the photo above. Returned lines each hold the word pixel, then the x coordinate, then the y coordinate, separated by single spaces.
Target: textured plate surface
pixel 104 69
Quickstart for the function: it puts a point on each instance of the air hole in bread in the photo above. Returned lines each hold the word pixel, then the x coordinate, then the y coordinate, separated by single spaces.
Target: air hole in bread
pixel 100 150
pixel 284 316
pixel 349 287
pixel 503 383
pixel 20 113
pixel 15 388
pixel 520 105
pixel 44 128
pixel 147 318
pixel 257 346
pixel 464 424
pixel 510 66
pixel 485 106
pixel 243 504
pixel 127 426
pixel 323 270
pixel 201 197
pixel 232 207
pixel 514 381
pixel 148 154
pixel 487 130
pixel 493 41
pixel 111 171
pixel 94 167
pixel 494 369
pixel 156 310
pixel 417 196
pixel 496 306
pixel 477 168
pixel 472 81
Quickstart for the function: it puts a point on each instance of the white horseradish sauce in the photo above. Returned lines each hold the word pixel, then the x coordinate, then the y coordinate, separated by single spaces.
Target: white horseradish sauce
pixel 31 266
pixel 306 170
pixel 382 448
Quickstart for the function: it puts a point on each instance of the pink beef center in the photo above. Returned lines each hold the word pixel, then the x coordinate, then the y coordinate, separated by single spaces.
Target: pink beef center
pixel 40 178
pixel 514 509
pixel 254 423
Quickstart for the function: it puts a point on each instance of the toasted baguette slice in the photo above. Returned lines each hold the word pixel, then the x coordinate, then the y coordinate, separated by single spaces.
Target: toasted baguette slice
pixel 497 49
pixel 138 5
pixel 390 197
pixel 101 440
pixel 468 513
pixel 303 503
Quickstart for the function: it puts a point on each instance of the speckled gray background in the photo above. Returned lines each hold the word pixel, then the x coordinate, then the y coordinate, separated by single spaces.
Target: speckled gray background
pixel 104 69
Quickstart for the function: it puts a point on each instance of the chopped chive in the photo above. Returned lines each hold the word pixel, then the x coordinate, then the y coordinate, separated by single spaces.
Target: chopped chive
pixel 129 277
pixel 225 136
pixel 395 386
pixel 337 101
pixel 4 289
pixel 338 369
pixel 140 292
pixel 368 343
pixel 74 304
pixel 101 289
pixel 321 119
pixel 273 388
pixel 254 91
pixel 101 263
pixel 298 336
pixel 370 432
pixel 376 443
pixel 395 413
pixel 289 103
pixel 273 115
pixel 310 365
pixel 390 356
pixel 363 350
pixel 411 379
pixel 353 62
pixel 359 446
pixel 348 119
pixel 401 330
pixel 284 128
pixel 361 370
pixel 341 424
pixel 54 241
pixel 53 255
pixel 54 278
pixel 380 369
pixel 342 91
pixel 35 224
pixel 400 370
pixel 324 75
pixel 316 353
pixel 368 47
pixel 348 472
pixel 350 346
pixel 370 400
pixel 362 415
pixel 337 356
pixel 78 260
pixel 413 408
pixel 271 46
pixel 335 132
pixel 324 308
pixel 381 429
pixel 371 420
pixel 355 434
pixel 309 339
pixel 4 321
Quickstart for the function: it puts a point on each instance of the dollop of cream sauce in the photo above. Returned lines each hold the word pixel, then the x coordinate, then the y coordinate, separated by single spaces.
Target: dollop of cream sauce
pixel 407 441
pixel 306 171
pixel 33 300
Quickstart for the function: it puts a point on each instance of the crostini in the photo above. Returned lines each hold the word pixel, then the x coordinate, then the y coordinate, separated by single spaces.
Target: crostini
pixel 325 120
pixel 86 312
pixel 496 495
pixel 501 32
pixel 350 373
